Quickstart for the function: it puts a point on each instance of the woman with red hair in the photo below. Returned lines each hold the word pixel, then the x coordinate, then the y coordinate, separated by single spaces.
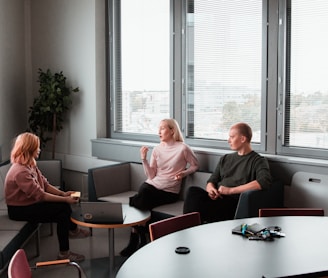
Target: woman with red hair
pixel 30 197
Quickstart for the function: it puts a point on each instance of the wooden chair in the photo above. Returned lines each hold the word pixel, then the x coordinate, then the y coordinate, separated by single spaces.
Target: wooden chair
pixel 19 266
pixel 173 224
pixel 263 212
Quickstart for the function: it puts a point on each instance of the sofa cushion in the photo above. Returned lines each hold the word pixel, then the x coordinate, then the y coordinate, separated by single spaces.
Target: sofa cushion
pixel 118 198
pixel 173 209
pixel 170 209
pixel 3 205
pixel 108 180
pixel 52 170
pixel 138 176
pixel 7 224
pixel 10 241
pixel 6 237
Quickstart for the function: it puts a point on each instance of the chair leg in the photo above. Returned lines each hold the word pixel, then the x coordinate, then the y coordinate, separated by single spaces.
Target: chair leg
pixel 37 241
pixel 78 268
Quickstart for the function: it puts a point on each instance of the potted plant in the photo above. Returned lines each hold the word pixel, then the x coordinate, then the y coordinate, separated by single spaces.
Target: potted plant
pixel 46 115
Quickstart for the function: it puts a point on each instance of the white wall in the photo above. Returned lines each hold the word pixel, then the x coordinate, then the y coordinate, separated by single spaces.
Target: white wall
pixel 12 73
pixel 69 36
pixel 62 35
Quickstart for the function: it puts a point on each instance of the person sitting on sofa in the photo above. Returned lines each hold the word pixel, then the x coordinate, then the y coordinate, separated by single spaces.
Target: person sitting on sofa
pixel 165 171
pixel 235 173
pixel 30 197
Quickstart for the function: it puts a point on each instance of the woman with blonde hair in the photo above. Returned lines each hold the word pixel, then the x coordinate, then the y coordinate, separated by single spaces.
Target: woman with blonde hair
pixel 165 171
pixel 30 197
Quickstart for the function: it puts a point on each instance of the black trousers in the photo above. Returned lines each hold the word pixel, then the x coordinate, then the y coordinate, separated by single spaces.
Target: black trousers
pixel 149 197
pixel 47 212
pixel 210 210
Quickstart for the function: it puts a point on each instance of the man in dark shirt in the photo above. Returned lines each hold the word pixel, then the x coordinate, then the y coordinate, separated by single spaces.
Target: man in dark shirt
pixel 235 173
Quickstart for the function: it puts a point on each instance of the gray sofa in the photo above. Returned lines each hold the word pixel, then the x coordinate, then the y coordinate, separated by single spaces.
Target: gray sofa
pixel 14 234
pixel 116 183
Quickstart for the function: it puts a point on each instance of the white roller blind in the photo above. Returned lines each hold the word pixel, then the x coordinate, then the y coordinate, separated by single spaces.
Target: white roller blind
pixel 224 67
pixel 307 75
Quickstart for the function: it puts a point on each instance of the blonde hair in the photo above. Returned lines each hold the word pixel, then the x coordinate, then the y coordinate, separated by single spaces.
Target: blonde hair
pixel 173 125
pixel 25 149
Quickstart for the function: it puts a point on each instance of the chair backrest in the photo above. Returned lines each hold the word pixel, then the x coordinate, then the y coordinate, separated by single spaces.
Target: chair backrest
pixel 3 172
pixel 196 179
pixel 291 212
pixel 307 190
pixel 18 266
pixel 173 224
pixel 52 170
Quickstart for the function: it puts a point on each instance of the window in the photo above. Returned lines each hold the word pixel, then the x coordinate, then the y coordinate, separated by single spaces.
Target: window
pixel 306 82
pixel 141 75
pixel 210 64
pixel 224 67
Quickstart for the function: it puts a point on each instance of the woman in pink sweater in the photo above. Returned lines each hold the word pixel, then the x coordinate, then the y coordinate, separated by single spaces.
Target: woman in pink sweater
pixel 165 171
pixel 30 197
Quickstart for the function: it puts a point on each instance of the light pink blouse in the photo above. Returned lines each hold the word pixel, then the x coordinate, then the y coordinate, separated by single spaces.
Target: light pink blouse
pixel 166 161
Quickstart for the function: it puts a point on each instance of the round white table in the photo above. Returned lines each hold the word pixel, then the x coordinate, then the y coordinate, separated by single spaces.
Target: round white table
pixel 216 252
pixel 132 217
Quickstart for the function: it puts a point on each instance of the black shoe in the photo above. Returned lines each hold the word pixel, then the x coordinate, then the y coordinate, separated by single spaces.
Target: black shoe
pixel 142 235
pixel 132 246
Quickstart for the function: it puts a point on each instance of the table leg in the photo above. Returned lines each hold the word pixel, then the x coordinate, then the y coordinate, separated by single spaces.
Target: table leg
pixel 111 252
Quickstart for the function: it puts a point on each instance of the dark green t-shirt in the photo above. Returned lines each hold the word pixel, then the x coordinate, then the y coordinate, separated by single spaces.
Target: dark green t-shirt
pixel 234 170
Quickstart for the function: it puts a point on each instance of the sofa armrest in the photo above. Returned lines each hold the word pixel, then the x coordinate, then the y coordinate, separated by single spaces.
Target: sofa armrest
pixel 108 180
pixel 52 170
pixel 251 201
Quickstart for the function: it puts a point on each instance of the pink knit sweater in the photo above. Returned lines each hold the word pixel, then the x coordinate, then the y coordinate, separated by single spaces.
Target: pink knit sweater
pixel 166 161
pixel 24 185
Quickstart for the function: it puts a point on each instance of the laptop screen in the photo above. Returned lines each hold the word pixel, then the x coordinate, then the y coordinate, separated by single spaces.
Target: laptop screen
pixel 102 212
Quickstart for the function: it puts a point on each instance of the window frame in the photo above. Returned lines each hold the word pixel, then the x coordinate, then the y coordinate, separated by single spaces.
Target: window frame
pixel 283 95
pixel 178 73
pixel 113 66
pixel 274 97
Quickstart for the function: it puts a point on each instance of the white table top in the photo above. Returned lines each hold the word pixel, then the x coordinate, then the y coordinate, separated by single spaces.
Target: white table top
pixel 216 252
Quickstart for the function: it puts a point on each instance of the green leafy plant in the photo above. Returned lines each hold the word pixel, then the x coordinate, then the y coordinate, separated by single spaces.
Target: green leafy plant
pixel 46 115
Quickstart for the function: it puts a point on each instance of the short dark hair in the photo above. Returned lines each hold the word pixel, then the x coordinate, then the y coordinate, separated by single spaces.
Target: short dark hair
pixel 245 130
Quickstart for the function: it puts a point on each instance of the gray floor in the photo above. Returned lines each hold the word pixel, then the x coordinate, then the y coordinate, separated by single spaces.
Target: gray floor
pixel 94 248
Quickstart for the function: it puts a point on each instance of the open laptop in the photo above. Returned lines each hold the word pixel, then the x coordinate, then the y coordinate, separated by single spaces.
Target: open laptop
pixel 102 212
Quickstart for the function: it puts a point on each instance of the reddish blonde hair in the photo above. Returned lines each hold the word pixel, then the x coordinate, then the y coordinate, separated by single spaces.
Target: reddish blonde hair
pixel 25 149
